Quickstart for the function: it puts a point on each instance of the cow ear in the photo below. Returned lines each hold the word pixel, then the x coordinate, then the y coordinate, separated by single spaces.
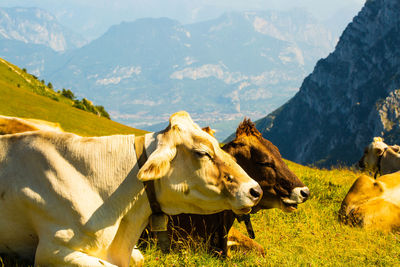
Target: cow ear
pixel 395 148
pixel 378 151
pixel 158 164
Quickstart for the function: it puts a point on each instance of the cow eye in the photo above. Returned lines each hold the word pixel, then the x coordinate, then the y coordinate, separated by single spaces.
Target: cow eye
pixel 265 164
pixel 202 154
pixel 229 178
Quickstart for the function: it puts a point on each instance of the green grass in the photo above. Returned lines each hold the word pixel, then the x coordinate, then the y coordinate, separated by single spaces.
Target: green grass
pixel 20 97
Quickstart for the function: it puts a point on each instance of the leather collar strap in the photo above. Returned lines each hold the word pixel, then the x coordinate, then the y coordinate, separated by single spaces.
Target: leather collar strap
pixel 379 163
pixel 247 222
pixel 158 220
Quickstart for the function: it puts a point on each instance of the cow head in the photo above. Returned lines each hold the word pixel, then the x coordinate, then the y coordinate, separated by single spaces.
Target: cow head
pixel 194 175
pixel 263 162
pixel 372 153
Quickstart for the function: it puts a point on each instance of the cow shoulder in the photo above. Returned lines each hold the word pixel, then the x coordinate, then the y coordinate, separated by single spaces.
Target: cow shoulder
pixel 362 189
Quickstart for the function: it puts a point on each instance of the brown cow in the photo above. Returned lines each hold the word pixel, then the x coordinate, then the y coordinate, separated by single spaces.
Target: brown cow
pixel 373 204
pixel 209 130
pixel 263 162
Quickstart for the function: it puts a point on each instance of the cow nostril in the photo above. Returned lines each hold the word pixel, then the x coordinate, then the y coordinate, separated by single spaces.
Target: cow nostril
pixel 361 164
pixel 305 193
pixel 254 192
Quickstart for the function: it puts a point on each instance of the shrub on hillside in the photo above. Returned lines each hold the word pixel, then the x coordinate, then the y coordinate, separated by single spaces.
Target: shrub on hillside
pixel 68 94
pixel 103 112
pixel 87 105
pixel 83 104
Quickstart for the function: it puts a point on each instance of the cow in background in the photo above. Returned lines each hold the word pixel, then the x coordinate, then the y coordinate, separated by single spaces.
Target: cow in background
pixel 380 158
pixel 11 125
pixel 373 203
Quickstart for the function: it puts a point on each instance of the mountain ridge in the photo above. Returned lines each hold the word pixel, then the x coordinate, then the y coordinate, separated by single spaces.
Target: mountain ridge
pixel 338 109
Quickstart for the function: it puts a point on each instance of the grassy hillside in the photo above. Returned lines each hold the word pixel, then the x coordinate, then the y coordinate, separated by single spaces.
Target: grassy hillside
pixel 19 97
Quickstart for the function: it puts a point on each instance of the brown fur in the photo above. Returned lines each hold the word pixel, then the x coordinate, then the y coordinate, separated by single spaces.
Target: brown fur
pixel 209 130
pixel 12 125
pixel 239 241
pixel 247 128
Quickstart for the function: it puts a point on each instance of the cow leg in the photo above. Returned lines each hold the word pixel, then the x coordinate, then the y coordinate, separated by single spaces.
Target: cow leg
pixel 237 239
pixel 137 258
pixel 228 219
pixel 48 255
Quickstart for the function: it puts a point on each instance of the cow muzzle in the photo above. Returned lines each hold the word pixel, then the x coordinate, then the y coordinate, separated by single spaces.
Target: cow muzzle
pixel 297 196
pixel 248 195
pixel 361 165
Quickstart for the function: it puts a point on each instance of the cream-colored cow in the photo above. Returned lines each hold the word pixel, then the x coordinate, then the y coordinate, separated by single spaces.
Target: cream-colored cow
pixel 373 204
pixel 11 125
pixel 67 200
pixel 380 158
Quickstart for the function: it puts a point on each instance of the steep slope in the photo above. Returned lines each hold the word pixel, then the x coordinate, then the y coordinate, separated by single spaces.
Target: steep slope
pixel 37 26
pixel 32 38
pixel 19 97
pixel 350 96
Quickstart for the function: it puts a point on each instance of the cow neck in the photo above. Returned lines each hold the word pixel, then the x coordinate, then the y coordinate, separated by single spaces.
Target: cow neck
pixel 141 155
pixel 158 220
pixel 379 171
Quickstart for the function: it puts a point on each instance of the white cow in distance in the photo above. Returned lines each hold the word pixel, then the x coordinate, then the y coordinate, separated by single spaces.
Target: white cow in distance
pixel 380 158
pixel 67 200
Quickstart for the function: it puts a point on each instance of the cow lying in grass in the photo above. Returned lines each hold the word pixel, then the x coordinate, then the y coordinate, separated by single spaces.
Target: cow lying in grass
pixel 263 162
pixel 67 200
pixel 373 204
pixel 380 158
pixel 11 125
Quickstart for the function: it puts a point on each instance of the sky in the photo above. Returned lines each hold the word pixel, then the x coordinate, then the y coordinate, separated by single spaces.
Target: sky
pixel 170 8
pixel 91 18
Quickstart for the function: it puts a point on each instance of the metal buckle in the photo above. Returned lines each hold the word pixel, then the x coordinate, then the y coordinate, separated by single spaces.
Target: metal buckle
pixel 158 222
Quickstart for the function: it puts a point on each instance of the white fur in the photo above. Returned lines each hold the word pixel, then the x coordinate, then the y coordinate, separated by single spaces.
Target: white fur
pixel 295 196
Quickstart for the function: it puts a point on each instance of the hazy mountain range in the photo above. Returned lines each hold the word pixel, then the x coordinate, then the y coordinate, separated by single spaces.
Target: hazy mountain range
pixel 92 18
pixel 240 64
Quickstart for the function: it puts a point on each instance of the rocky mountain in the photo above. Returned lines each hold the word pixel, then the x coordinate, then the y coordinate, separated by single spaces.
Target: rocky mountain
pixel 36 26
pixel 240 64
pixel 350 97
